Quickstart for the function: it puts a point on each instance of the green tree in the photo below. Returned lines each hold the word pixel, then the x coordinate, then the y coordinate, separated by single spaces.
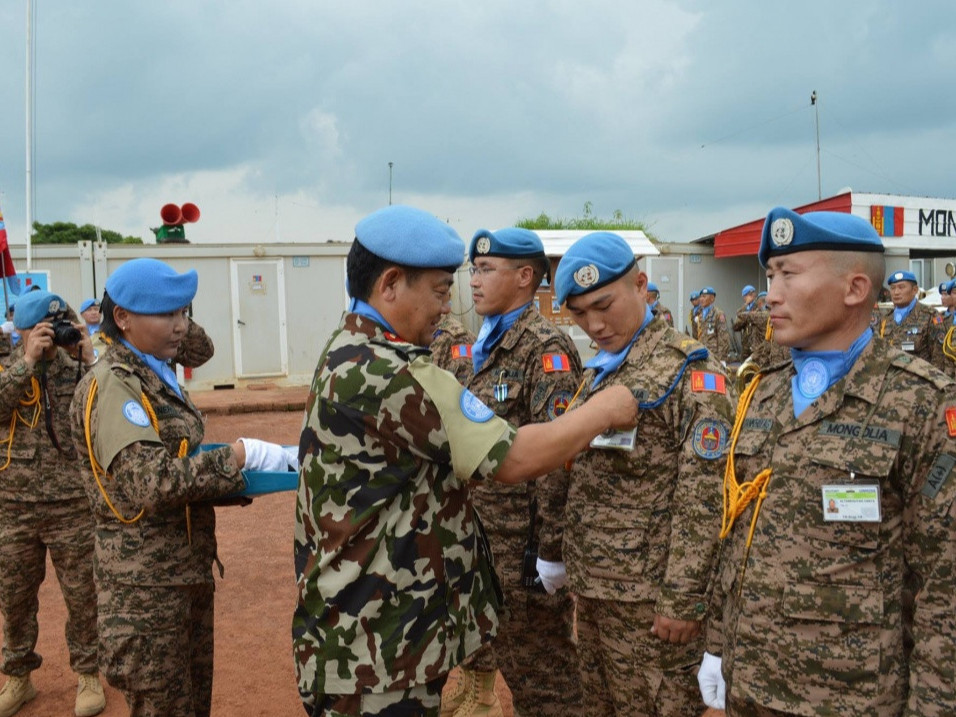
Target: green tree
pixel 69 233
pixel 587 222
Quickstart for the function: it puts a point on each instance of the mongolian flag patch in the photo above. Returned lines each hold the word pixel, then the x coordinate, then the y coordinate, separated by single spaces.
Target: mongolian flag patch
pixel 555 362
pixel 706 381
pixel 459 351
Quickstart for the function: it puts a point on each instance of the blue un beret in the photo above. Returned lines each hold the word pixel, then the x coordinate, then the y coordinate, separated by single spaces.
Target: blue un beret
pixel 512 242
pixel 410 237
pixel 708 290
pixel 949 286
pixel 694 295
pixel 87 304
pixel 653 287
pixel 593 261
pixel 35 306
pixel 786 232
pixel 149 286
pixel 762 293
pixel 902 276
pixel 747 289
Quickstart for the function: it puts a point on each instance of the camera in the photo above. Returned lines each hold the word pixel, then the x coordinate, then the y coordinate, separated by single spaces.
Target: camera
pixel 65 333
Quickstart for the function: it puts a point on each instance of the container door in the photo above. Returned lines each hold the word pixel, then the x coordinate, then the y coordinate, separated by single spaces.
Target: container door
pixel 259 321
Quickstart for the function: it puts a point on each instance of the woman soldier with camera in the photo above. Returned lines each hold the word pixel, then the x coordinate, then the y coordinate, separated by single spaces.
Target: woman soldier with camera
pixel 42 502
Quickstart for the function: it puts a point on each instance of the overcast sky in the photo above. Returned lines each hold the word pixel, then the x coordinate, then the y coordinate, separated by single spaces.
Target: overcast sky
pixel 278 119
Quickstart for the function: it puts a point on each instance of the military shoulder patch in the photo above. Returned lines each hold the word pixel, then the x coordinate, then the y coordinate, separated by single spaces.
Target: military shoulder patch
pixel 951 421
pixel 459 351
pixel 555 362
pixel 707 382
pixel 558 403
pixel 135 414
pixel 709 438
pixel 473 409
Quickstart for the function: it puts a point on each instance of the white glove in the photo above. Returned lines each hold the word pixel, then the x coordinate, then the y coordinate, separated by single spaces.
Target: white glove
pixel 264 456
pixel 712 686
pixel 553 576
pixel 292 454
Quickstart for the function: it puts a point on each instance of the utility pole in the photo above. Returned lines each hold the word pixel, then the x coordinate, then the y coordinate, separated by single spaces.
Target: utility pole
pixel 390 183
pixel 816 110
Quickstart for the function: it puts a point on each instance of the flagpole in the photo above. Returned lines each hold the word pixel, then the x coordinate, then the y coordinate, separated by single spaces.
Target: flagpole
pixel 29 114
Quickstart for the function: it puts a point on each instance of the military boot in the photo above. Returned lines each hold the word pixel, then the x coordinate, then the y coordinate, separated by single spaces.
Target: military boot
pixel 451 701
pixel 90 699
pixel 16 693
pixel 481 701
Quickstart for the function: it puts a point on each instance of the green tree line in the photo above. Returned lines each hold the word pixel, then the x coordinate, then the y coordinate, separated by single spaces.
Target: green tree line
pixel 587 222
pixel 69 233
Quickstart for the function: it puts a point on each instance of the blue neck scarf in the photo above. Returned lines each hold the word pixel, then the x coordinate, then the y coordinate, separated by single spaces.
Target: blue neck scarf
pixel 899 315
pixel 750 306
pixel 705 311
pixel 357 306
pixel 492 329
pixel 92 328
pixel 607 363
pixel 654 305
pixel 818 370
pixel 158 366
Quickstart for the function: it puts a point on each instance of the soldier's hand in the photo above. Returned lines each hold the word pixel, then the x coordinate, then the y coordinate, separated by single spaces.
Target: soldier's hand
pixel 618 404
pixel 37 342
pixel 679 632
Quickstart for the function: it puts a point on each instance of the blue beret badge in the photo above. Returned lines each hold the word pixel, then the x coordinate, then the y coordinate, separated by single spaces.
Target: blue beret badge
pixel 473 409
pixel 586 276
pixel 710 438
pixel 781 231
pixel 483 245
pixel 135 414
pixel 558 403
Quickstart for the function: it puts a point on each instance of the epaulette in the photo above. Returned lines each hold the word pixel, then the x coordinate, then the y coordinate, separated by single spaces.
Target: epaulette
pixel 687 346
pixel 918 367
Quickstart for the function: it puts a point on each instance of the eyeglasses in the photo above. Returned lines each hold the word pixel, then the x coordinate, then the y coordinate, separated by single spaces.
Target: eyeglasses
pixel 485 270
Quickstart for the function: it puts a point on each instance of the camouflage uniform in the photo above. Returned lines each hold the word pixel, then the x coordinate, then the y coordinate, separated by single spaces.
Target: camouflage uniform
pixel 665 313
pixel 523 383
pixel 747 322
pixel 642 527
pixel 42 507
pixel 943 355
pixel 451 348
pixel 812 613
pixel 153 574
pixel 915 335
pixel 395 580
pixel 196 347
pixel 712 332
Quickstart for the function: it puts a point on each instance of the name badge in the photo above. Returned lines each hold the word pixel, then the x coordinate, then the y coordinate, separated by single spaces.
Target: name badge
pixel 618 440
pixel 908 346
pixel 852 503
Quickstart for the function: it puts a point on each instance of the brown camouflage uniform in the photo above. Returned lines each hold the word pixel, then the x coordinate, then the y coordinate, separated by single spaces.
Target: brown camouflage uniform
pixel 812 613
pixel 642 527
pixel 196 347
pixel 520 383
pixel 915 335
pixel 451 348
pixel 665 313
pixel 395 580
pixel 42 507
pixel 153 574
pixel 713 332
pixel 747 322
pixel 944 345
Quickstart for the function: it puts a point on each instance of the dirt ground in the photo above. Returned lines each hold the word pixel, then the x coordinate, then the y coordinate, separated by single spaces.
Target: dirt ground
pixel 254 603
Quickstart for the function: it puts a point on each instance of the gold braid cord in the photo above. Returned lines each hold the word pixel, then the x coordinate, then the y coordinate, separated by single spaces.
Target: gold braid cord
pixel 98 469
pixel 949 348
pixel 31 399
pixel 737 496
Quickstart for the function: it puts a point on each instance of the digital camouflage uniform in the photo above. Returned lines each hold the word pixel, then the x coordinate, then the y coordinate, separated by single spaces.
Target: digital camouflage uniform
pixel 451 348
pixel 714 333
pixel 395 582
pixel 915 335
pixel 943 355
pixel 813 622
pixel 530 376
pixel 642 527
pixel 42 507
pixel 747 322
pixel 196 347
pixel 153 575
pixel 665 313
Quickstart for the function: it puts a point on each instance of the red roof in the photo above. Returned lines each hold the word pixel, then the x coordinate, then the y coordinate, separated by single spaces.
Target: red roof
pixel 744 240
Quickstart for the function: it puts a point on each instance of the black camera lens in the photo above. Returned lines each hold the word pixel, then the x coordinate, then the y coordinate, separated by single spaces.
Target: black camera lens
pixel 65 333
